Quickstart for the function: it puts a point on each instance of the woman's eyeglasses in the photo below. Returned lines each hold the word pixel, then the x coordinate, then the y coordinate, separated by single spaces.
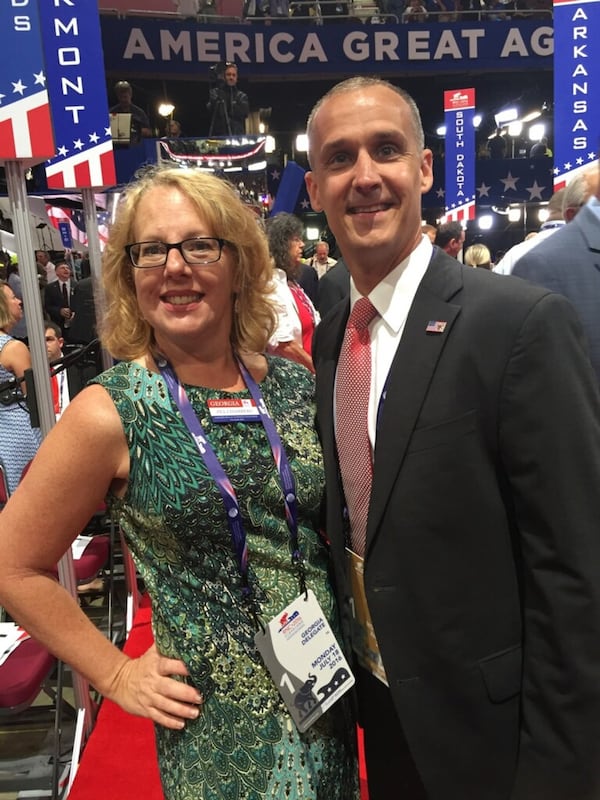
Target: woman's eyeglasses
pixel 199 250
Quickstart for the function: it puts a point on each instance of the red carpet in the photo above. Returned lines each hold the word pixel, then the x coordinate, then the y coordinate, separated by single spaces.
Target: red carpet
pixel 119 760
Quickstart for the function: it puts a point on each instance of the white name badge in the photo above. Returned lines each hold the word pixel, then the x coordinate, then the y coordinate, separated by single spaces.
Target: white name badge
pixel 233 410
pixel 305 660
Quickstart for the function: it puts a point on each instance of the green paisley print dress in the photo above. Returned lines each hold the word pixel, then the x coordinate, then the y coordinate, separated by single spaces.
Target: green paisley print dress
pixel 244 745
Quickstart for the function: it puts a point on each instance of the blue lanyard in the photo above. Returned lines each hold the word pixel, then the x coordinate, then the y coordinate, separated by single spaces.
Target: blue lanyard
pixel 230 501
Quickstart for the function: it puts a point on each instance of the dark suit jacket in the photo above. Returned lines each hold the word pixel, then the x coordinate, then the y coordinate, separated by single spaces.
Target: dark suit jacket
pixel 83 325
pixel 333 286
pixel 482 563
pixel 53 302
pixel 569 263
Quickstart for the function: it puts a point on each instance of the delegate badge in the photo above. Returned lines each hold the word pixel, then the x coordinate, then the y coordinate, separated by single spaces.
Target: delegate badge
pixel 233 410
pixel 305 660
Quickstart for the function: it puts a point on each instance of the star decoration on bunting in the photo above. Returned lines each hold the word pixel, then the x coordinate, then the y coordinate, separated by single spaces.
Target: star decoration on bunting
pixel 484 190
pixel 510 182
pixel 19 87
pixel 39 78
pixel 535 191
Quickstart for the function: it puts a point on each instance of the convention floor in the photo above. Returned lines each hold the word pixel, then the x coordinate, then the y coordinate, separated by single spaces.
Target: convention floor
pixel 26 746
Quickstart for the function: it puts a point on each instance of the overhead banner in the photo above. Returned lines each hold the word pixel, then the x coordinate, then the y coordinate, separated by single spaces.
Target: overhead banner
pixel 459 199
pixel 576 87
pixel 76 86
pixel 25 122
pixel 138 45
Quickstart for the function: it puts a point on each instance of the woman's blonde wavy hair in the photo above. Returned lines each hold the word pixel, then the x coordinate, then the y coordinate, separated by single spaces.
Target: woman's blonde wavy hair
pixel 123 331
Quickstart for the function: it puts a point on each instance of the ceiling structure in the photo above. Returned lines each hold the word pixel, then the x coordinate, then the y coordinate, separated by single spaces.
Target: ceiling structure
pixel 291 103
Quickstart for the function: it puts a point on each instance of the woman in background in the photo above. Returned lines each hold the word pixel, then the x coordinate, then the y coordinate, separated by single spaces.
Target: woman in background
pixel 297 317
pixel 19 442
pixel 13 279
pixel 478 255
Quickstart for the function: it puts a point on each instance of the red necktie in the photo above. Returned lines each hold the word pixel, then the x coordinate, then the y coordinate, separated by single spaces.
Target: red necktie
pixel 353 387
pixel 55 393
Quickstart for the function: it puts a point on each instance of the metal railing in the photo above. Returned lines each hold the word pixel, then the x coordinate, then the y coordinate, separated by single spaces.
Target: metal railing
pixel 355 10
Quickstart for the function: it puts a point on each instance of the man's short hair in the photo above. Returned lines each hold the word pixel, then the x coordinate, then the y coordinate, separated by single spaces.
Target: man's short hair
pixel 54 327
pixel 447 232
pixel 121 85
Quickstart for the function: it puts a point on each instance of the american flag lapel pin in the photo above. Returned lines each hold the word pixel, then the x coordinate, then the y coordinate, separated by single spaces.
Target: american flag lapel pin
pixel 435 326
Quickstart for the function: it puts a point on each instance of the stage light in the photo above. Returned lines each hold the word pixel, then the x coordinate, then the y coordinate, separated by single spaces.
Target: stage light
pixel 536 132
pixel 506 115
pixel 485 222
pixel 166 109
pixel 543 214
pixel 312 234
pixel 441 130
pixel 515 128
pixel 270 144
pixel 477 120
pixel 301 143
pixel 514 214
pixel 257 166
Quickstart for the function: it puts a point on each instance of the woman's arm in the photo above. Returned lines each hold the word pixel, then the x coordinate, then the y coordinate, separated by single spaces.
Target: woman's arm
pixel 83 457
pixel 295 352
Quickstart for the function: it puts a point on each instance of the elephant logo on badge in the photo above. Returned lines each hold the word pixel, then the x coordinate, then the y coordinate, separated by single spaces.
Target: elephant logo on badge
pixel 305 699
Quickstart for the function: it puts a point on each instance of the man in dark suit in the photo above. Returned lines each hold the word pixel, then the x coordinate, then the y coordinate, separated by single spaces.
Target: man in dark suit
pixel 70 380
pixel 57 298
pixel 481 564
pixel 569 263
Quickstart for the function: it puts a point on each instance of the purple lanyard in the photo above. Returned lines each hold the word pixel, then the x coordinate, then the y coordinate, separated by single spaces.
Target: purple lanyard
pixel 232 508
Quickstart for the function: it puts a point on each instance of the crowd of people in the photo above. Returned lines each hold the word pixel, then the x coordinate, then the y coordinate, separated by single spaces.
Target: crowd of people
pixel 70 321
pixel 400 10
pixel 410 470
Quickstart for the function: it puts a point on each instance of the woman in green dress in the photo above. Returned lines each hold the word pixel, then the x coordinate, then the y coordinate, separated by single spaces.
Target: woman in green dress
pixel 179 436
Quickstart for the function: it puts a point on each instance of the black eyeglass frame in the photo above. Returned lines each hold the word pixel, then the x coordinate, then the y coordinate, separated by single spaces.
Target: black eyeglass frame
pixel 176 246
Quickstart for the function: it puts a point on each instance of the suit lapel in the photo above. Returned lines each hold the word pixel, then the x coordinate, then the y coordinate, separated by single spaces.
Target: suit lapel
pixel 329 337
pixel 410 377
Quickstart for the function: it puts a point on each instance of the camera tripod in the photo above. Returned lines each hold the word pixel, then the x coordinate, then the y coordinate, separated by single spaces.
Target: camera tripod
pixel 220 110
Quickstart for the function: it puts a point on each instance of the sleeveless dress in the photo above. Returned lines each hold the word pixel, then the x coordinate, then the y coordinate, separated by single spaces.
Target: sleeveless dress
pixel 244 745
pixel 19 442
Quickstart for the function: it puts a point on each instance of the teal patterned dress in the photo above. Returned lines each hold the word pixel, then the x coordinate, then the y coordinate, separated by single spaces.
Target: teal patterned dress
pixel 244 745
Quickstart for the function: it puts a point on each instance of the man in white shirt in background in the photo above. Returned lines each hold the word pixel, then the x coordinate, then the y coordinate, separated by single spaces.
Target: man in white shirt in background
pixel 43 260
pixel 321 259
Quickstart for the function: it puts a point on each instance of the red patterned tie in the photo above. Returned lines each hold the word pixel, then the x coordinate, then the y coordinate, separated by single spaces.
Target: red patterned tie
pixel 55 393
pixel 353 387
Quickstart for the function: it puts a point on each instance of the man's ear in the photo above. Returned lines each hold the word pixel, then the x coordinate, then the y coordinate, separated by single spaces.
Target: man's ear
pixel 313 191
pixel 426 171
